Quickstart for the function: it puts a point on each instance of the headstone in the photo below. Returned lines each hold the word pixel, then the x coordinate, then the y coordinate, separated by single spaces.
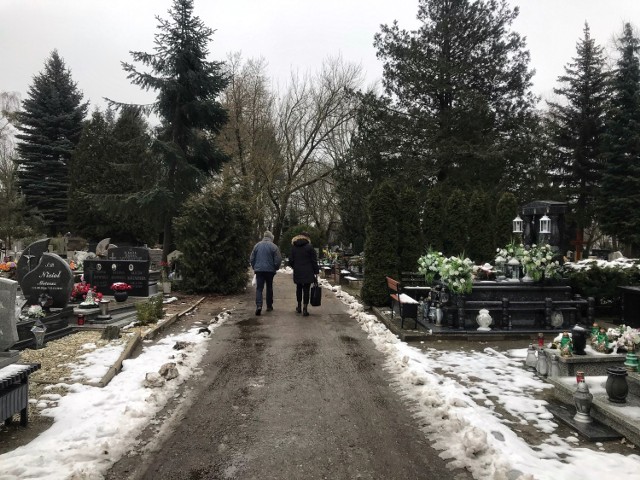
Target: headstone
pixel 8 330
pixel 30 257
pixel 52 276
pixel 101 273
pixel 174 255
pixel 101 248
pixel 155 257
pixel 128 253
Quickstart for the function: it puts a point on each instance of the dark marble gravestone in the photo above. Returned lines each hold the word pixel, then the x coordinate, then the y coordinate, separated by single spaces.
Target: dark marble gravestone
pixel 103 273
pixel 31 257
pixel 51 276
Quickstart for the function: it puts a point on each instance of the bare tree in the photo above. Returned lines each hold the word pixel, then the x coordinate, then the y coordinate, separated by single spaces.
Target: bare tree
pixel 313 124
pixel 249 136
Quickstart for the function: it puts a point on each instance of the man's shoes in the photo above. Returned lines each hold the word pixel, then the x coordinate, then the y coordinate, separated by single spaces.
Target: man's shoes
pixel 269 308
pixel 258 311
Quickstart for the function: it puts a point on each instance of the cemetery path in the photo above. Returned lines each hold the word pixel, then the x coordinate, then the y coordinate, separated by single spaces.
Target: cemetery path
pixel 284 396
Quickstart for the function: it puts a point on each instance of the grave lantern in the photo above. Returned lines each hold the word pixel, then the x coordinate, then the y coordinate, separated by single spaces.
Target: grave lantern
pixel 39 329
pixel 545 225
pixel 517 225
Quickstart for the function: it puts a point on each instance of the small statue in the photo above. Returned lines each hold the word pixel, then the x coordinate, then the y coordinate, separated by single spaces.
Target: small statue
pixel 602 341
pixel 89 301
pixel 566 346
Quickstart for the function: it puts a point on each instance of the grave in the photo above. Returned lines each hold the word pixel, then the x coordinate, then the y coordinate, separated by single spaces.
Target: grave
pixel 46 280
pixel 8 330
pixel 122 264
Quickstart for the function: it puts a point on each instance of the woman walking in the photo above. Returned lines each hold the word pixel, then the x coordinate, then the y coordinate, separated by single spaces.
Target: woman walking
pixel 304 262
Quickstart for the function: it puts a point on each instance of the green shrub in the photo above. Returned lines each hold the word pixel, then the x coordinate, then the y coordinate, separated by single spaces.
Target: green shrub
pixel 602 283
pixel 380 248
pixel 214 235
pixel 150 311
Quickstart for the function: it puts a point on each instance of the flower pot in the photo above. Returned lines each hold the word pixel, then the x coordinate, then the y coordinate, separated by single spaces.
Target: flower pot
pixel 120 296
pixel 616 386
pixel 631 361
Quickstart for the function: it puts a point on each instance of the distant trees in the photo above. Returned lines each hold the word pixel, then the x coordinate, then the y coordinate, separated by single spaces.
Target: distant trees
pixel 50 124
pixel 192 117
pixel 577 126
pixel 619 213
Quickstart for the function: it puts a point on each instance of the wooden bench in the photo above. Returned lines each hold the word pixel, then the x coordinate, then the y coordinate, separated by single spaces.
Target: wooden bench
pixel 14 391
pixel 407 306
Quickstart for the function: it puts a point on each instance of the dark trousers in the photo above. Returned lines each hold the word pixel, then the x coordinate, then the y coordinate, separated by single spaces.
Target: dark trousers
pixel 302 293
pixel 262 279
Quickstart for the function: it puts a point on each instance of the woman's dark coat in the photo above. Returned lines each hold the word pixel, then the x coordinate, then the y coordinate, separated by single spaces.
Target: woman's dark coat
pixel 303 260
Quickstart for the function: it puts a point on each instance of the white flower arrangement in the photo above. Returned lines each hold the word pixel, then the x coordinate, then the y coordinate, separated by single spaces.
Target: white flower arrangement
pixel 457 274
pixel 625 337
pixel 538 262
pixel 35 311
pixel 430 264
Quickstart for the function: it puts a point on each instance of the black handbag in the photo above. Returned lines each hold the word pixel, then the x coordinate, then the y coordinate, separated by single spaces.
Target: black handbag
pixel 315 294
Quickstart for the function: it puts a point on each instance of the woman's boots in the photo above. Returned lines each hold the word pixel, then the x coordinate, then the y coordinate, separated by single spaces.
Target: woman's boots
pixel 298 309
pixel 304 312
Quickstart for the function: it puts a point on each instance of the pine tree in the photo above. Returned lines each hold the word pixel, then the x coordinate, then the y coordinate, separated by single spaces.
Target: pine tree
pixel 188 86
pixel 481 244
pixel 458 89
pixel 578 125
pixel 380 248
pixel 506 210
pixel 433 220
pixel 50 124
pixel 410 243
pixel 619 212
pixel 456 235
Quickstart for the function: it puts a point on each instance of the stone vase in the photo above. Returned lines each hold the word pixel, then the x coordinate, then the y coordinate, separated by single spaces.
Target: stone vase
pixel 616 386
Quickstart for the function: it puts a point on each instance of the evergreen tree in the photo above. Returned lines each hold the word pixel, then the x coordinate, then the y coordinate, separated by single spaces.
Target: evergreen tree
pixel 456 235
pixel 188 86
pixel 577 125
pixel 50 124
pixel 410 243
pixel 457 91
pixel 506 210
pixel 380 248
pixel 481 244
pixel 433 220
pixel 213 233
pixel 619 201
pixel 88 173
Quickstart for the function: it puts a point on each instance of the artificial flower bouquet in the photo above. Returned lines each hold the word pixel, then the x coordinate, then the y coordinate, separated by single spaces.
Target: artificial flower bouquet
pixel 538 262
pixel 81 289
pixel 35 311
pixel 457 274
pixel 430 264
pixel 121 287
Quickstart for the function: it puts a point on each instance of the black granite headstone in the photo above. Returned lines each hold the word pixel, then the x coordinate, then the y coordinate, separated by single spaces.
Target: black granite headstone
pixel 104 273
pixel 52 276
pixel 31 257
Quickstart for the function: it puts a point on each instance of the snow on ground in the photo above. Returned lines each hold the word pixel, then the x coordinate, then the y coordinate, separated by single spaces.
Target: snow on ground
pixel 470 404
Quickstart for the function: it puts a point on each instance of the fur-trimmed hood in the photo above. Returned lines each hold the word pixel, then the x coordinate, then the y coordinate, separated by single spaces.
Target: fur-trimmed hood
pixel 300 240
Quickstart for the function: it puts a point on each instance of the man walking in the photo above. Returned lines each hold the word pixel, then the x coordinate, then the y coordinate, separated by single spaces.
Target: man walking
pixel 265 260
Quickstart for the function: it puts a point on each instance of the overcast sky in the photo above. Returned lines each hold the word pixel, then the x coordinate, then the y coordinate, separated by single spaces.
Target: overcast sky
pixel 94 36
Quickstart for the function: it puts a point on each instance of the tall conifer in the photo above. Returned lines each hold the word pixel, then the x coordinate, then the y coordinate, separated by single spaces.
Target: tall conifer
pixel 50 125
pixel 619 213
